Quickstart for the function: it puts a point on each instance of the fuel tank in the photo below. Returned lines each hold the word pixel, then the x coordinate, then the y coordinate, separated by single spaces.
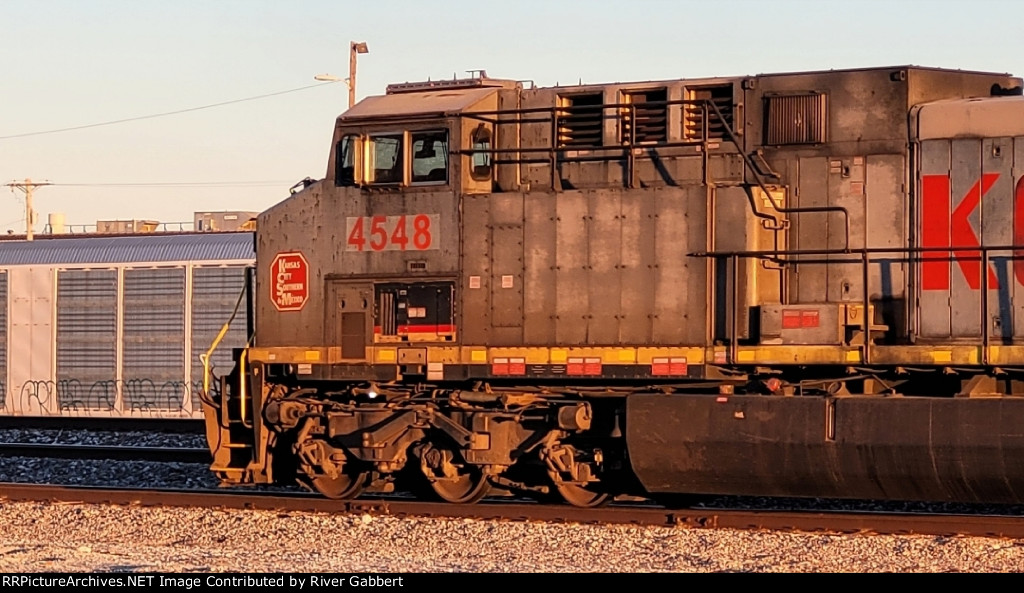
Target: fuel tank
pixel 859 447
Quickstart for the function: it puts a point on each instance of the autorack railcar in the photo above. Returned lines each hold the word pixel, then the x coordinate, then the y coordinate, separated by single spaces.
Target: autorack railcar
pixel 113 326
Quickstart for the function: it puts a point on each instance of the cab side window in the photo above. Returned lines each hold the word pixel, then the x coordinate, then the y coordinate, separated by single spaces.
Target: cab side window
pixel 345 165
pixel 386 159
pixel 430 157
pixel 481 170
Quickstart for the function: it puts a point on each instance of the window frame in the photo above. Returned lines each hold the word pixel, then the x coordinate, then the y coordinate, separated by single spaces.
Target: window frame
pixel 357 154
pixel 364 155
pixel 479 136
pixel 369 154
pixel 412 182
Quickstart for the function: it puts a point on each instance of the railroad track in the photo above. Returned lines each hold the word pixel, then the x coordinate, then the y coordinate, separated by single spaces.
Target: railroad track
pixel 1000 526
pixel 113 424
pixel 112 452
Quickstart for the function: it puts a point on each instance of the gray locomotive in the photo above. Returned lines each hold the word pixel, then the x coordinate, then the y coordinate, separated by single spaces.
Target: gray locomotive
pixel 799 284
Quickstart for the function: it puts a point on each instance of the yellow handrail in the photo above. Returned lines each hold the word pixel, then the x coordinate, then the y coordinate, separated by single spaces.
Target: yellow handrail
pixel 205 358
pixel 242 389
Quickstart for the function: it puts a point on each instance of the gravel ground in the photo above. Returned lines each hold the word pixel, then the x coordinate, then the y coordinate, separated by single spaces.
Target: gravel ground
pixel 62 537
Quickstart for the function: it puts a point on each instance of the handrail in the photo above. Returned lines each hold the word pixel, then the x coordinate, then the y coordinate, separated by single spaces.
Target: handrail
pixel 772 253
pixel 205 357
pixel 864 259
pixel 764 188
pixel 708 107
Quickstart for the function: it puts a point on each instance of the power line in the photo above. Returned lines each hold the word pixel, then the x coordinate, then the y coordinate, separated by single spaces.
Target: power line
pixel 179 184
pixel 155 115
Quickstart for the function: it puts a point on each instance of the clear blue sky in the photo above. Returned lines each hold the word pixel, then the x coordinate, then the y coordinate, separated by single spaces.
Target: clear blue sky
pixel 69 63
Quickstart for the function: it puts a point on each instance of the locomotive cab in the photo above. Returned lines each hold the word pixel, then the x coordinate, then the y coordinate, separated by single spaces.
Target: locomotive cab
pixel 399 164
pixel 419 136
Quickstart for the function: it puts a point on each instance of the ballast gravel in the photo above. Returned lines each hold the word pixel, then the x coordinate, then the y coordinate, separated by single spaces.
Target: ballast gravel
pixel 39 537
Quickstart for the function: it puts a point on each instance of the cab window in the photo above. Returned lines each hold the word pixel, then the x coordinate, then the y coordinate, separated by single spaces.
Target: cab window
pixel 481 170
pixel 430 157
pixel 345 167
pixel 386 161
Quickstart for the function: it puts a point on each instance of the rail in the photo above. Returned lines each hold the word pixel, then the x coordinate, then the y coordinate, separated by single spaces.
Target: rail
pixel 864 256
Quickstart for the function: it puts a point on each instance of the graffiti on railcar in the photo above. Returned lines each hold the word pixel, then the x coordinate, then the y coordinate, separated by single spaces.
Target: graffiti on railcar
pixel 133 397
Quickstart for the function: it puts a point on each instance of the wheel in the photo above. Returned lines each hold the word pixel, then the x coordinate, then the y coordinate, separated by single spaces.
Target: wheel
pixel 468 488
pixel 573 474
pixel 346 485
pixel 463 483
pixel 579 496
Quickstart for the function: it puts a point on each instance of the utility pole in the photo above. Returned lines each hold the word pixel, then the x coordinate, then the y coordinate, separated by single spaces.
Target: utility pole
pixel 354 50
pixel 27 187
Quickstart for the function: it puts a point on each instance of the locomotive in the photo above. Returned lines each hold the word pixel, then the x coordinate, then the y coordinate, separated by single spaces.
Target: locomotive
pixel 792 284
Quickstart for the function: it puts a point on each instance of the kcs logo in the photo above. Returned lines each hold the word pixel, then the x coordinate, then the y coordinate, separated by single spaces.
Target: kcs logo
pixel 944 228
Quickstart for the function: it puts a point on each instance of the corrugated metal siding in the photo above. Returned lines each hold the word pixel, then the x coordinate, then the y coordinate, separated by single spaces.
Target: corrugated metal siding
pixel 153 366
pixel 3 338
pixel 113 250
pixel 86 339
pixel 215 292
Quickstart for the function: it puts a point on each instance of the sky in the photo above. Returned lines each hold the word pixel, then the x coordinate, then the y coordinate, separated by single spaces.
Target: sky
pixel 76 63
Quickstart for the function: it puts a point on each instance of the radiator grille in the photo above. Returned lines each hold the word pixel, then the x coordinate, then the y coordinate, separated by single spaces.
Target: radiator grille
pixel 795 119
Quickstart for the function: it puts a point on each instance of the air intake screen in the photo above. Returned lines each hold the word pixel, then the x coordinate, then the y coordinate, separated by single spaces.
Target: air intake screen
pixel 650 123
pixel 581 120
pixel 721 96
pixel 795 119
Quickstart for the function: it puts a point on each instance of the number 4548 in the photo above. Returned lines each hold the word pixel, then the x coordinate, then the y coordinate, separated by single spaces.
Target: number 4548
pixel 407 232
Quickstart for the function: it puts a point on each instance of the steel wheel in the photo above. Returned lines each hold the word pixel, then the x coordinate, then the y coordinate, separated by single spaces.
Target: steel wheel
pixel 466 489
pixel 579 496
pixel 453 482
pixel 345 486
